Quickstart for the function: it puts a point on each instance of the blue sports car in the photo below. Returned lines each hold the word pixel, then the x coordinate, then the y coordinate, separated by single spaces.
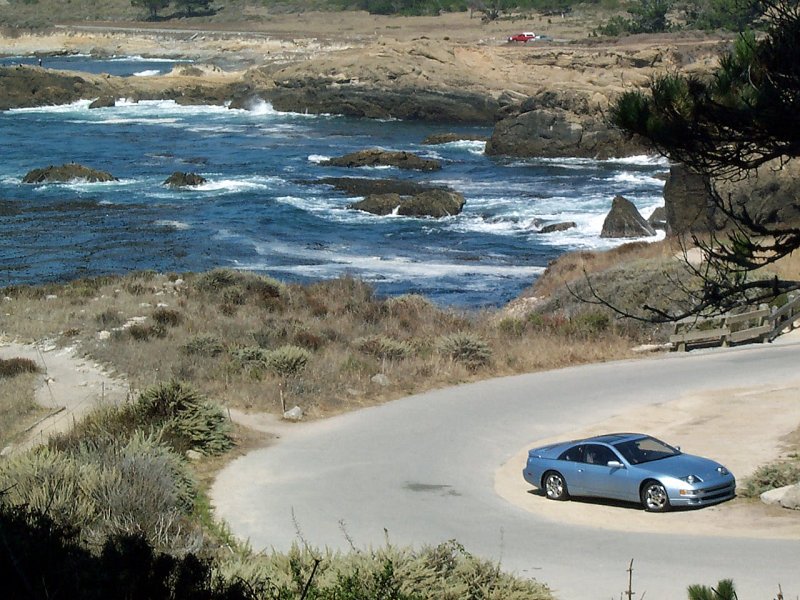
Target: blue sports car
pixel 628 466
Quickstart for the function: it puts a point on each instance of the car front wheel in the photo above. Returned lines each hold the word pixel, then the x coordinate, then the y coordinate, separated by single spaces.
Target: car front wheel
pixel 555 486
pixel 654 497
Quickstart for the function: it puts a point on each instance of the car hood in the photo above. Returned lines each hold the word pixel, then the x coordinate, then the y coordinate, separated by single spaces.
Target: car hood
pixel 683 465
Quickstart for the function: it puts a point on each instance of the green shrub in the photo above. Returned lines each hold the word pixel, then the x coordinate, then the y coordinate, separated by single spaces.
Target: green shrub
pixel 592 322
pixel 177 414
pixel 465 348
pixel 167 317
pixel 250 356
pixel 11 367
pixel 233 295
pixel 770 477
pixel 287 360
pixel 383 347
pixel 445 571
pixel 187 419
pixel 203 345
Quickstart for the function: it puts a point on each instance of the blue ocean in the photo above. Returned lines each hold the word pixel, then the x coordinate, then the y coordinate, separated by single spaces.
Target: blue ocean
pixel 263 208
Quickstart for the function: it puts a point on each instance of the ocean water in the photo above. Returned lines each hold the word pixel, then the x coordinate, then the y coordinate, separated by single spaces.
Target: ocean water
pixel 263 210
pixel 121 66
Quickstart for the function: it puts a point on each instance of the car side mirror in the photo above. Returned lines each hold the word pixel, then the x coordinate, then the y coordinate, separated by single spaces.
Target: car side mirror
pixel 615 464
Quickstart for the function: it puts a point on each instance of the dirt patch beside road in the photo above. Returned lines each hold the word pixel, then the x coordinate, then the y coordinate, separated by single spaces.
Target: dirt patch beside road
pixel 741 428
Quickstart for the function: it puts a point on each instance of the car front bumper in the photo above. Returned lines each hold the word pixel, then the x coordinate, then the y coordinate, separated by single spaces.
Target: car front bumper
pixel 703 496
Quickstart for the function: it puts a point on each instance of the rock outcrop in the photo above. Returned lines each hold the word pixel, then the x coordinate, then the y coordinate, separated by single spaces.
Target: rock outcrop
pixel 446 138
pixel 67 172
pixel 430 203
pixel 624 221
pixel 554 227
pixel 103 102
pixel 555 132
pixel 786 497
pixel 375 157
pixel 357 186
pixel 687 204
pixel 658 219
pixel 181 179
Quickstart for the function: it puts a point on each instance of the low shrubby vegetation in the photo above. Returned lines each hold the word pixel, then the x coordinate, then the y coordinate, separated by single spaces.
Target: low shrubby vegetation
pixel 18 410
pixel 260 344
pixel 771 476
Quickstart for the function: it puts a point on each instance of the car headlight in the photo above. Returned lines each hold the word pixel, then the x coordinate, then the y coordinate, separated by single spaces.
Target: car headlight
pixel 722 470
pixel 691 479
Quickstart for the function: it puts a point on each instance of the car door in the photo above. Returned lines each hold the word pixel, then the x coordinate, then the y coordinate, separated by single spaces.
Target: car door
pixel 600 479
pixel 570 463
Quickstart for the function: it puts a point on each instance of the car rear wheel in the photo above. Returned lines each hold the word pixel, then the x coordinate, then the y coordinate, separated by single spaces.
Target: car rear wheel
pixel 555 487
pixel 654 497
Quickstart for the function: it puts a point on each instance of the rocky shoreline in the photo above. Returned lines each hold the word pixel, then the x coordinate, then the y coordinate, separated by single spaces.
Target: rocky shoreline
pixel 545 100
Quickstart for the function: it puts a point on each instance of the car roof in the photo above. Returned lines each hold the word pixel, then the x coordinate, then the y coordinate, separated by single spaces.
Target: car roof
pixel 614 438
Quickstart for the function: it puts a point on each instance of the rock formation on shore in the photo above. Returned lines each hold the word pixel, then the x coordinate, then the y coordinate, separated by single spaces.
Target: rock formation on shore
pixel 624 221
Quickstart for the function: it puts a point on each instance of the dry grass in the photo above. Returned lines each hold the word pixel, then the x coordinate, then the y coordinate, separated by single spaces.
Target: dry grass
pixel 318 346
pixel 18 410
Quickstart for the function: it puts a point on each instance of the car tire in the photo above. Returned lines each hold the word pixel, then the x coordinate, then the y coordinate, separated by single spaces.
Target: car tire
pixel 654 497
pixel 555 486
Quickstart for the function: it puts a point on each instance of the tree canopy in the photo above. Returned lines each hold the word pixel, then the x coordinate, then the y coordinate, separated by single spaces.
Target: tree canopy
pixel 745 116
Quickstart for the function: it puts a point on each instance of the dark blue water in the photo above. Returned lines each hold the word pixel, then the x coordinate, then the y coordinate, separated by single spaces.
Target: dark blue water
pixel 123 66
pixel 261 209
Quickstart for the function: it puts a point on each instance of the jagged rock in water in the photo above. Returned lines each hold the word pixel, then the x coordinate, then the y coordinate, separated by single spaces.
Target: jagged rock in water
pixel 430 203
pixel 658 219
pixel 103 102
pixel 181 179
pixel 553 227
pixel 375 157
pixel 67 172
pixel 445 138
pixel 624 221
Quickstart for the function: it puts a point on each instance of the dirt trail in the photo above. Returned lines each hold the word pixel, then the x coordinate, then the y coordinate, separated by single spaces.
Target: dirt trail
pixel 70 387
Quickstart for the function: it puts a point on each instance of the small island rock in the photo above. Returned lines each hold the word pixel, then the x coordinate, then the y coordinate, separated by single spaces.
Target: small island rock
pixel 375 157
pixel 430 203
pixel 554 227
pixel 67 172
pixel 181 179
pixel 624 221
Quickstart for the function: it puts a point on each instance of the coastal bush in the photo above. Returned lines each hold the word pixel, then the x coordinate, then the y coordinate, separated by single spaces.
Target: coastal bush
pixel 383 347
pixel 142 332
pixel 287 360
pixel 465 348
pixel 175 413
pixel 42 558
pixel 11 367
pixel 203 345
pixel 444 571
pixel 771 476
pixel 167 317
pixel 250 356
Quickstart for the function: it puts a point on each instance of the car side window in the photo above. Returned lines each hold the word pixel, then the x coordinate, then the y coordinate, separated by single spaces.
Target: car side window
pixel 574 454
pixel 596 454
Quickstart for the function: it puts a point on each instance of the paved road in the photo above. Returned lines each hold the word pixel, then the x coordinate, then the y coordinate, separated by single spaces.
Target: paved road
pixel 423 469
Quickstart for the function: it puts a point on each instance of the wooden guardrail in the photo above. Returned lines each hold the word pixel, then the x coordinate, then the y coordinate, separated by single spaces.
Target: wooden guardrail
pixel 762 324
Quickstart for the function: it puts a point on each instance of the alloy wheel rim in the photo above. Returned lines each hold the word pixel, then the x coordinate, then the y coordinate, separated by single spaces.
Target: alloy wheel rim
pixel 554 486
pixel 656 496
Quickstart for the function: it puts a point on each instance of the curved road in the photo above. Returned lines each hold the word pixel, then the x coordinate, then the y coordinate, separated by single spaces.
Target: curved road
pixel 423 468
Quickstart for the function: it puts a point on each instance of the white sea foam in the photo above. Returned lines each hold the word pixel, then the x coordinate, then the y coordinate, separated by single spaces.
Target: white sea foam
pixel 174 225
pixel 472 146
pixel 236 185
pixel 636 178
pixel 146 59
pixel 147 73
pixel 398 268
pixel 317 158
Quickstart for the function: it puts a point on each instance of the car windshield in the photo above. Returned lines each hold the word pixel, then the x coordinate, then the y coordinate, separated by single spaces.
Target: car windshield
pixel 645 449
